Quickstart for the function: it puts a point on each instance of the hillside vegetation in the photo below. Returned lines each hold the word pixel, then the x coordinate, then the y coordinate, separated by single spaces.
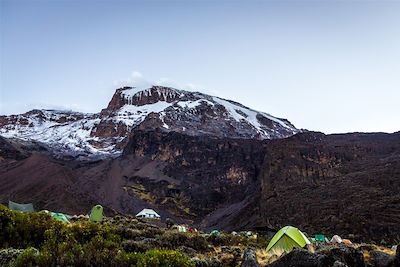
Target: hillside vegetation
pixel 36 239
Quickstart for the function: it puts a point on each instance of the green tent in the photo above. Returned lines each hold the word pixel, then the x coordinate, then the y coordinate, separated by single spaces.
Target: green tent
pixel 96 215
pixel 320 238
pixel 20 207
pixel 288 238
pixel 215 233
pixel 59 217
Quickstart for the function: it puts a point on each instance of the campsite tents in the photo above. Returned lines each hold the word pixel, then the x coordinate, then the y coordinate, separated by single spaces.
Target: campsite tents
pixel 288 238
pixel 20 207
pixel 96 215
pixel 148 213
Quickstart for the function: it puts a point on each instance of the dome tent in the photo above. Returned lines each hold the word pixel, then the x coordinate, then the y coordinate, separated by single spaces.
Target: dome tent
pixel 288 238
pixel 96 215
pixel 58 216
pixel 20 207
pixel 148 213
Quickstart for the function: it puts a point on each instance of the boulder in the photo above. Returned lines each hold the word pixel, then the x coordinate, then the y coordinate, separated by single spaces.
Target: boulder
pixel 396 259
pixel 199 262
pixel 339 264
pixel 249 258
pixel 347 255
pixel 380 259
pixel 301 257
pixel 214 262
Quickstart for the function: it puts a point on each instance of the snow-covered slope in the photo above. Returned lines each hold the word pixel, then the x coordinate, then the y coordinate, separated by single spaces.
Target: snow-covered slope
pixel 64 131
pixel 132 108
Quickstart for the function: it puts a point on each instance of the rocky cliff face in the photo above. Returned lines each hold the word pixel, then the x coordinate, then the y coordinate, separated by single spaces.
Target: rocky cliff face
pixel 347 184
pixel 336 184
pixel 206 172
pixel 130 108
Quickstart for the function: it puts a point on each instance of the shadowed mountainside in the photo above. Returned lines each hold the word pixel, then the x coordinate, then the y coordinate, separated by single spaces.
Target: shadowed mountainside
pixel 347 184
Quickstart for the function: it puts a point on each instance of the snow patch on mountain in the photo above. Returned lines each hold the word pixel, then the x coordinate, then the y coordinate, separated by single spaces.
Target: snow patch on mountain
pixel 132 115
pixel 240 113
pixel 193 104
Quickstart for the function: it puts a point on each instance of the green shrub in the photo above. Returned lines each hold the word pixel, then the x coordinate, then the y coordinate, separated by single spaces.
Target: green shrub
pixel 140 246
pixel 27 258
pixel 169 222
pixel 198 242
pixel 97 252
pixel 128 233
pixel 173 240
pixel 8 255
pixel 124 259
pixel 22 230
pixel 167 258
pixel 104 257
pixel 152 232
pixel 84 243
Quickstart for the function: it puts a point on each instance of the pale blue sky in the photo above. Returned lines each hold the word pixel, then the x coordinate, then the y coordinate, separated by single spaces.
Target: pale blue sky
pixel 332 66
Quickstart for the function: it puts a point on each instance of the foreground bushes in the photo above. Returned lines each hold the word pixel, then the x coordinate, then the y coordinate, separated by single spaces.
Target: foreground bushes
pixel 51 243
pixel 151 258
pixel 32 229
pixel 21 230
pixel 119 241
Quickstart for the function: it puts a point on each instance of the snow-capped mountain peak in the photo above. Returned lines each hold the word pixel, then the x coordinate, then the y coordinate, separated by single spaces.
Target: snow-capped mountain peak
pixel 130 108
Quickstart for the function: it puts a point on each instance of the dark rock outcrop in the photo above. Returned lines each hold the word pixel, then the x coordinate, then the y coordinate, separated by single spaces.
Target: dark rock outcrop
pixel 346 255
pixel 381 259
pixel 339 264
pixel 249 258
pixel 303 258
pixel 330 257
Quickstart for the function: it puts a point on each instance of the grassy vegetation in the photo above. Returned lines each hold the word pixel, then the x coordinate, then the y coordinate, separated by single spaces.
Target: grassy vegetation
pixel 36 239
pixel 118 241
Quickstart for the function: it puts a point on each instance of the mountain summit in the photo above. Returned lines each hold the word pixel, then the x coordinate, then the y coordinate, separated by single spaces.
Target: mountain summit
pixel 130 108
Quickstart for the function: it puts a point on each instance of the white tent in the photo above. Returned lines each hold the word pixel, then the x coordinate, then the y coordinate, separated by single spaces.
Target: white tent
pixel 336 239
pixel 148 213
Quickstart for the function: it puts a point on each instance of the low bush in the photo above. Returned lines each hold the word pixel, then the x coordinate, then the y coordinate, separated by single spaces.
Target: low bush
pixel 27 258
pixel 154 258
pixel 173 240
pixel 22 230
pixel 103 257
pixel 141 245
pixel 128 233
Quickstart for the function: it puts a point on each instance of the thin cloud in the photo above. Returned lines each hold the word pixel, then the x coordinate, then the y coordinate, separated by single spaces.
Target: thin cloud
pixel 137 79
